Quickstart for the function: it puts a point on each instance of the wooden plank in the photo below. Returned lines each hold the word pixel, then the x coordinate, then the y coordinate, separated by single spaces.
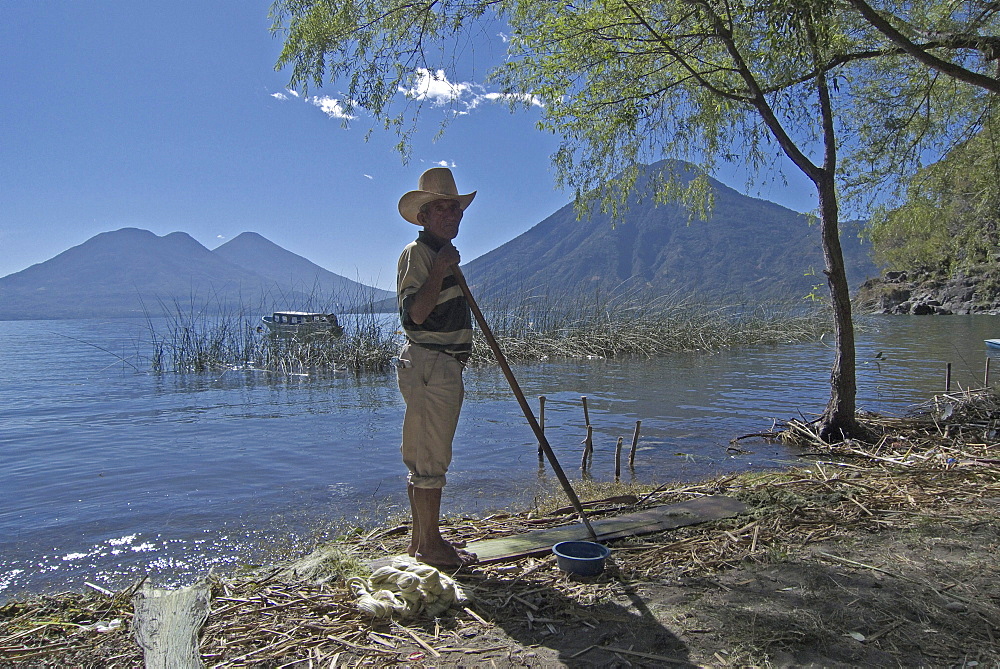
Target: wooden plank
pixel 167 623
pixel 660 518
pixel 671 516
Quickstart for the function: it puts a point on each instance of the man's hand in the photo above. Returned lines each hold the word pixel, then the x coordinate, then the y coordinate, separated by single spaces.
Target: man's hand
pixel 447 256
pixel 425 299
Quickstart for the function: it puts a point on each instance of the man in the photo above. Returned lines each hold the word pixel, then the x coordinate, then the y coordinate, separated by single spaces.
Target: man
pixel 438 325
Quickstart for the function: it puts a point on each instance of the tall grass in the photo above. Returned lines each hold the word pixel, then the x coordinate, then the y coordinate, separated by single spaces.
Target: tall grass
pixel 609 325
pixel 629 323
pixel 199 340
pixel 212 339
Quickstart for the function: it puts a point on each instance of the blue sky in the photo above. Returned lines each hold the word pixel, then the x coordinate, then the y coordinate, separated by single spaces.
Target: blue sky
pixel 170 117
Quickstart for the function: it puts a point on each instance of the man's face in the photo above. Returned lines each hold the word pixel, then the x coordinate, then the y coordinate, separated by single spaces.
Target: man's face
pixel 441 218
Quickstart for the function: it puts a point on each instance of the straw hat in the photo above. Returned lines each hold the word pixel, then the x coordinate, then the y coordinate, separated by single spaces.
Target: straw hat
pixel 436 183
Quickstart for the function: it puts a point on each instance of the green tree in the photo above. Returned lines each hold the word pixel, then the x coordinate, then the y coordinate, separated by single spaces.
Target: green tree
pixel 949 220
pixel 924 83
pixel 627 82
pixel 946 52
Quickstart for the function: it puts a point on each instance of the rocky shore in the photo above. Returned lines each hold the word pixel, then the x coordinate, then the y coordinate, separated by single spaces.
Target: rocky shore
pixel 933 293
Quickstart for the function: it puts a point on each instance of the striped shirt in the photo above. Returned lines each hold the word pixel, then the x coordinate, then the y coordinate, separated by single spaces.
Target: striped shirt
pixel 448 328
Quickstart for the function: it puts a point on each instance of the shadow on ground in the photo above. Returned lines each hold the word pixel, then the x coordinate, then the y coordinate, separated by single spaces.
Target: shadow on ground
pixel 581 630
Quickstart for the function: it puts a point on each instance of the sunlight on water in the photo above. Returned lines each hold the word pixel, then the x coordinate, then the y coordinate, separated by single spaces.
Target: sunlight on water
pixel 111 473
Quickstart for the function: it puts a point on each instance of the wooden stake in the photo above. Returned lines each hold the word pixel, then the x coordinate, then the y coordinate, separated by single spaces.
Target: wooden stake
pixel 947 379
pixel 986 375
pixel 635 443
pixel 586 414
pixel 588 449
pixel 618 459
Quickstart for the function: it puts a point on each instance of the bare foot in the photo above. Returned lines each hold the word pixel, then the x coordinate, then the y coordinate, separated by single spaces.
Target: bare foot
pixel 446 556
pixel 411 550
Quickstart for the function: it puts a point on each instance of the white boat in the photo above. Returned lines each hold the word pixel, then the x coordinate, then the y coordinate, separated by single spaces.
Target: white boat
pixel 303 322
pixel 992 343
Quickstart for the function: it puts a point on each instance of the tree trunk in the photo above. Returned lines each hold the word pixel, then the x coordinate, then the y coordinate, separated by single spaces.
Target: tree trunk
pixel 839 420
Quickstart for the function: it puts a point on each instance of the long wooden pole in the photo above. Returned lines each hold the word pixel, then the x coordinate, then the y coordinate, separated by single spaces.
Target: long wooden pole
pixel 539 433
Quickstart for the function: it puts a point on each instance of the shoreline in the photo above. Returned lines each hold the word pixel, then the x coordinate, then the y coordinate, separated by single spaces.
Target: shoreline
pixel 51 521
pixel 873 554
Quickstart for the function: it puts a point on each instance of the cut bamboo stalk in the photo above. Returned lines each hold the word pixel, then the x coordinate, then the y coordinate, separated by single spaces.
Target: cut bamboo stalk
pixel 635 443
pixel 618 458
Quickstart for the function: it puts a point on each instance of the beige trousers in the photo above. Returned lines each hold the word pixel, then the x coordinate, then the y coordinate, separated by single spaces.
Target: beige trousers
pixel 432 386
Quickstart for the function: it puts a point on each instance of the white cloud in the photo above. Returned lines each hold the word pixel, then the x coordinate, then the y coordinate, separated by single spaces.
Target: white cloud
pixel 432 86
pixel 444 163
pixel 533 100
pixel 368 176
pixel 332 107
pixel 435 87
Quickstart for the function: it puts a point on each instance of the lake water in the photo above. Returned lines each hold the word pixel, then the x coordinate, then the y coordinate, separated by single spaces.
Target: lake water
pixel 108 472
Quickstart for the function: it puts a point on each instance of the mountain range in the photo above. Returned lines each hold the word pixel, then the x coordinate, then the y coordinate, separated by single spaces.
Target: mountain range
pixel 132 272
pixel 748 250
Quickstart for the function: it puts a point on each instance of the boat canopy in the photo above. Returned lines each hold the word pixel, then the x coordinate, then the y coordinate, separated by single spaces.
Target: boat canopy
pixel 300 317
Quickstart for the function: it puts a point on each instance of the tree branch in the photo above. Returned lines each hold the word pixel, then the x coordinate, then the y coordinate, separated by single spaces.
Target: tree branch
pixel 759 101
pixel 695 74
pixel 922 55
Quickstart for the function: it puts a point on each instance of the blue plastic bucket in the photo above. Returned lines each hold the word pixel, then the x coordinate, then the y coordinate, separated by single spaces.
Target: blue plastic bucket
pixel 584 558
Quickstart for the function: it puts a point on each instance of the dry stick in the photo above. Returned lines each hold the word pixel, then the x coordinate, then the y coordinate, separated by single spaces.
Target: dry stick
pixel 986 374
pixel 590 446
pixel 618 459
pixel 423 644
pixel 648 656
pixel 947 379
pixel 635 443
pixel 516 388
pixel 586 414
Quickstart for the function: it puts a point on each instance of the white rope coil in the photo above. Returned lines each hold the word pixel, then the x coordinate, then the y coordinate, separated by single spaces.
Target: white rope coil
pixel 405 589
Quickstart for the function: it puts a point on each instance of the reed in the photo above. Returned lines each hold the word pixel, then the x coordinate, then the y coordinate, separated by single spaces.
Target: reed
pixel 199 339
pixel 628 323
pixel 615 324
pixel 213 339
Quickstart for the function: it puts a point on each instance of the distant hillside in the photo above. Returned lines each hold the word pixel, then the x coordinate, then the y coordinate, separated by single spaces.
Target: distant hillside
pixel 749 249
pixel 284 268
pixel 132 272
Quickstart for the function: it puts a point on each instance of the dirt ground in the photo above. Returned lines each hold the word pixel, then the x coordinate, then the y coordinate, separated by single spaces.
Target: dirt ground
pixel 920 591
pixel 880 555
